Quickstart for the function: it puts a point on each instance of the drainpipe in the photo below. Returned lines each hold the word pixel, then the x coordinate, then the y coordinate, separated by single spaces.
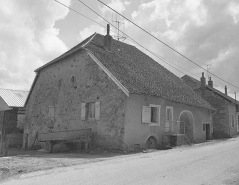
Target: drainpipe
pixel 229 127
pixel 211 114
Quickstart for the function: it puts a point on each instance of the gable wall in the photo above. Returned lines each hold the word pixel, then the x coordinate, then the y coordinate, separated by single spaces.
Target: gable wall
pixel 3 105
pixel 54 88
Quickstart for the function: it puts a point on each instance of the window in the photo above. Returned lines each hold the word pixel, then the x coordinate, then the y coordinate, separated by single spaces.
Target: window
pixel 73 82
pixel 90 110
pixel 51 112
pixel 169 113
pixel 169 119
pixel 151 114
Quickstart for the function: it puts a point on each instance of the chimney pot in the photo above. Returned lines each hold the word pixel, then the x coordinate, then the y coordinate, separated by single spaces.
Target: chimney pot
pixel 108 39
pixel 225 90
pixel 203 84
pixel 108 29
pixel 210 82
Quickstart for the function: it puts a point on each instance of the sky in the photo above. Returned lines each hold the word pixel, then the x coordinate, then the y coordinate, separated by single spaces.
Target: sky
pixel 34 32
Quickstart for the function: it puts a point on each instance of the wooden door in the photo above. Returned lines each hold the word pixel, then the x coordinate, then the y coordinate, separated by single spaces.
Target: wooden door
pixel 208 137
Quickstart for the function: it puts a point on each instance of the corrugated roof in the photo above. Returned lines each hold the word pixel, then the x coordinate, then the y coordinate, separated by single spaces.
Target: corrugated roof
pixel 196 84
pixel 14 98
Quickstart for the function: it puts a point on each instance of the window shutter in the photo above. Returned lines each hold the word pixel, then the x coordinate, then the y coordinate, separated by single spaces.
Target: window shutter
pixel 97 110
pixel 83 111
pixel 146 114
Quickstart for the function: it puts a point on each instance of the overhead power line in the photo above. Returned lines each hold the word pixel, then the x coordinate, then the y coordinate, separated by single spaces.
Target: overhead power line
pixel 131 39
pixel 167 45
pixel 159 57
pixel 128 36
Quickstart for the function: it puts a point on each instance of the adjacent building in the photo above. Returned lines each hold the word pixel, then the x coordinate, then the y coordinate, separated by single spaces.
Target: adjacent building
pixel 12 114
pixel 226 118
pixel 126 98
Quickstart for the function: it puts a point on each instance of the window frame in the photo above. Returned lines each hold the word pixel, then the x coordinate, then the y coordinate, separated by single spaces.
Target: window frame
pixel 88 109
pixel 51 112
pixel 170 108
pixel 158 114
pixel 147 114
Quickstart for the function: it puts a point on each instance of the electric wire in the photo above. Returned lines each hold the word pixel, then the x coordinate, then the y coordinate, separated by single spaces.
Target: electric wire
pixel 167 45
pixel 129 38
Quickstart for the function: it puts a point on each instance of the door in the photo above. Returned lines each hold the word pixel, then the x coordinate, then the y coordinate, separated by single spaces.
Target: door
pixel 208 132
pixel 26 141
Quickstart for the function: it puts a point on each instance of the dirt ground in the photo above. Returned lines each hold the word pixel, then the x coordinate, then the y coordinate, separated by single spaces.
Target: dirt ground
pixel 20 161
pixel 23 161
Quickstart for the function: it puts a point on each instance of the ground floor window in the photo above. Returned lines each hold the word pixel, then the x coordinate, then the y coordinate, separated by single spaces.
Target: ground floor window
pixel 151 114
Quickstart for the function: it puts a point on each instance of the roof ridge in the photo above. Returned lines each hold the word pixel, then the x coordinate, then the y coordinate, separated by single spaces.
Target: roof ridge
pixel 213 89
pixel 67 52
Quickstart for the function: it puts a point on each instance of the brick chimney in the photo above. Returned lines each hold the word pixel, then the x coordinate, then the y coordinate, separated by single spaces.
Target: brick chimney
pixel 203 84
pixel 210 82
pixel 225 90
pixel 108 39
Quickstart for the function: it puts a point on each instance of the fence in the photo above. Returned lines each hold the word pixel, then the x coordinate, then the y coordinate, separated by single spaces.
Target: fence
pixel 175 127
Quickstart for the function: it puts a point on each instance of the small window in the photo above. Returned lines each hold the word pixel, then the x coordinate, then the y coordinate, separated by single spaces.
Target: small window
pixel 73 82
pixel 90 110
pixel 52 112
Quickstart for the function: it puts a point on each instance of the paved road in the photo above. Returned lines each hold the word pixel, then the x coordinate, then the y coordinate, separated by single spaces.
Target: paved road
pixel 204 164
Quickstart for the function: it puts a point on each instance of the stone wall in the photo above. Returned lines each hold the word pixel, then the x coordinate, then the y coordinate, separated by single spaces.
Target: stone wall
pixel 220 118
pixel 66 85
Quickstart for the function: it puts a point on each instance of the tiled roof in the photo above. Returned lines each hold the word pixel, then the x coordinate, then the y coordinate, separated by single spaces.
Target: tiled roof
pixel 137 72
pixel 140 74
pixel 196 84
pixel 13 98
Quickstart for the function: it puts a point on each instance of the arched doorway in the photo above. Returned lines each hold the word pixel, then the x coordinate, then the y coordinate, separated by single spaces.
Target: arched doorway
pixel 186 124
pixel 151 143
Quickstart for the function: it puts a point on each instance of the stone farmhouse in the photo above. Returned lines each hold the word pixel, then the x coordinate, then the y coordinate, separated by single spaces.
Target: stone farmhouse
pixel 226 119
pixel 127 99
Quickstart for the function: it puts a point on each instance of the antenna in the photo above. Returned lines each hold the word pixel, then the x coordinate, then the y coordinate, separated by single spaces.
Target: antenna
pixel 118 37
pixel 208 69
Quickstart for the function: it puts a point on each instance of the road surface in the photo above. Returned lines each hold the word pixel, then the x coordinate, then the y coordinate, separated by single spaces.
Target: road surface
pixel 211 163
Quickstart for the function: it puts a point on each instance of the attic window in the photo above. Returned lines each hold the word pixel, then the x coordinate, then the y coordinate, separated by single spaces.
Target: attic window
pixel 73 82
